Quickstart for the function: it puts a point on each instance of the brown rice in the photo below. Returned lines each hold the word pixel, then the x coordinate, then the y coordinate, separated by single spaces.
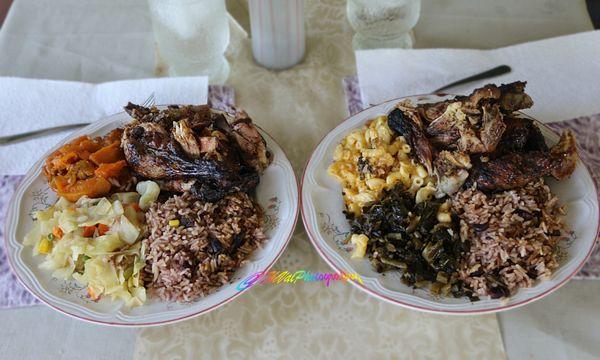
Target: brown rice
pixel 513 234
pixel 194 257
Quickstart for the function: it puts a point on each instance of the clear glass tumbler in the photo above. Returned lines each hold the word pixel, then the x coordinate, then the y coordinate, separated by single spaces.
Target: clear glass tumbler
pixel 192 36
pixel 383 23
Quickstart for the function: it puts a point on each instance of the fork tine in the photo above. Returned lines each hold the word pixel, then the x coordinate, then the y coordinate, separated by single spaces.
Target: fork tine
pixel 149 101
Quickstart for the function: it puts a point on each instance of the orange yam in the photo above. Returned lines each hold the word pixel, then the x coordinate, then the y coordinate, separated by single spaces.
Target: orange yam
pixel 92 187
pixel 75 143
pixel 83 166
pixel 68 158
pixel 108 154
pixel 113 136
pixel 89 145
pixel 112 170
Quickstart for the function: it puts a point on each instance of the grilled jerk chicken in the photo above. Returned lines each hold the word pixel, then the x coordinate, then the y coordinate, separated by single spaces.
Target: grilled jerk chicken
pixel 521 135
pixel 451 168
pixel 193 149
pixel 479 139
pixel 515 169
pixel 510 97
pixel 254 147
pixel 198 116
pixel 474 123
pixel 405 121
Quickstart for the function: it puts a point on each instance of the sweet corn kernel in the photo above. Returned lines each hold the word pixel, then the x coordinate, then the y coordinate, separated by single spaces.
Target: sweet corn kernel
pixel 174 223
pixel 45 246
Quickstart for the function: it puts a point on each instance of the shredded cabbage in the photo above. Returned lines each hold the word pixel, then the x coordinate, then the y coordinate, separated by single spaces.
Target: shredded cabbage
pixel 110 261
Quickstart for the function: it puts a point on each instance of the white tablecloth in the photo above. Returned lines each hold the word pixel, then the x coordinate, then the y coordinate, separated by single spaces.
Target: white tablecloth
pixel 105 40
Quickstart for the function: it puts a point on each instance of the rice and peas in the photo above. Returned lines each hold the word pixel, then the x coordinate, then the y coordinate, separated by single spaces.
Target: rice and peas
pixel 194 247
pixel 500 242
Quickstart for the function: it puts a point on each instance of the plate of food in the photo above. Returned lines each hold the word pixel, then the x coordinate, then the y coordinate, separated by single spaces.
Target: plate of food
pixel 451 204
pixel 152 215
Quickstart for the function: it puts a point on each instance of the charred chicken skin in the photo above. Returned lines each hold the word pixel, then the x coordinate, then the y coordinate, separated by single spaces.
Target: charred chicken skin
pixel 405 122
pixel 191 148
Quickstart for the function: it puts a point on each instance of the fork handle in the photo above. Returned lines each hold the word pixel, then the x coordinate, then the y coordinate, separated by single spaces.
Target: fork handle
pixel 497 71
pixel 5 140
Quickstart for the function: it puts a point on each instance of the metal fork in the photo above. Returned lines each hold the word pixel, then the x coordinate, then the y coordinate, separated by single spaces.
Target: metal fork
pixel 11 139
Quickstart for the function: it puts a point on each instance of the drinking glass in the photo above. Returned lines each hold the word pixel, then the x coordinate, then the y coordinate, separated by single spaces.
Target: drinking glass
pixel 192 36
pixel 383 23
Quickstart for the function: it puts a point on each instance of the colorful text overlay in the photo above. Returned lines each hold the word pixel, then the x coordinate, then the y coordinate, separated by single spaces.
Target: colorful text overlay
pixel 286 277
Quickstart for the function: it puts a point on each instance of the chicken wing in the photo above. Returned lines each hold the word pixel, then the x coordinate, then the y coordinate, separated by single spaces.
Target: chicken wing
pixel 515 169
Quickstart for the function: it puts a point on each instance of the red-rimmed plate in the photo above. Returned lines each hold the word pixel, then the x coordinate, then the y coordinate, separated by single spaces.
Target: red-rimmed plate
pixel 277 193
pixel 322 207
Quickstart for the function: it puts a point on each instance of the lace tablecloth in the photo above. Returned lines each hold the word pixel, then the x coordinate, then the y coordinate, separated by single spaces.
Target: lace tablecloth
pixel 308 320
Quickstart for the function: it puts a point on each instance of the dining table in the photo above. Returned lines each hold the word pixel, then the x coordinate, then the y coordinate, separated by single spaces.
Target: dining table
pixel 105 40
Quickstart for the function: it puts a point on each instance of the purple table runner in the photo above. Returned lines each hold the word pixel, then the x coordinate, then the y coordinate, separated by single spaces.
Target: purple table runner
pixel 12 293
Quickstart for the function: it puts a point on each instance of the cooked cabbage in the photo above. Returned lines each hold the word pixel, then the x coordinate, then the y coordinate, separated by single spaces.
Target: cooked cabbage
pixel 149 191
pixel 110 261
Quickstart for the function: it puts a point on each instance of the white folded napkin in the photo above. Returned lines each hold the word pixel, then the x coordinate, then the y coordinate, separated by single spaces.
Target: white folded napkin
pixel 562 74
pixel 29 104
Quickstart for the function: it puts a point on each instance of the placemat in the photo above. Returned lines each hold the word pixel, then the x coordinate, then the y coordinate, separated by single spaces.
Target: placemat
pixel 12 293
pixel 586 128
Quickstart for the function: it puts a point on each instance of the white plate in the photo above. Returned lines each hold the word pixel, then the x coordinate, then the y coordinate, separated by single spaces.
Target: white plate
pixel 277 193
pixel 322 206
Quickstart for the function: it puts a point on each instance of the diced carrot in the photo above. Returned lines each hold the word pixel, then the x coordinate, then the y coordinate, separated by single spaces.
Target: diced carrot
pixel 136 207
pixel 88 231
pixel 103 229
pixel 57 232
pixel 112 170
pixel 92 294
